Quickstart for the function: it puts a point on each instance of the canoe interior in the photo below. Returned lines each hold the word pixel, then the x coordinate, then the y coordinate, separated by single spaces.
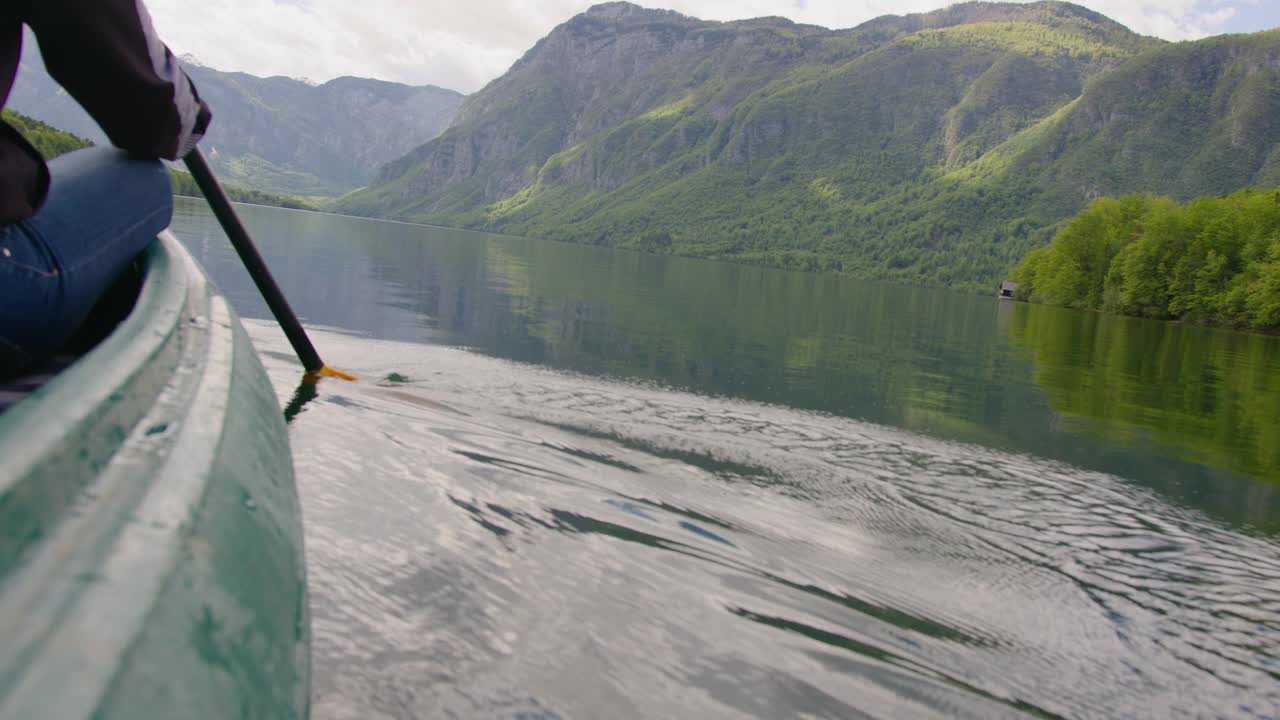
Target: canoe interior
pixel 111 309
pixel 15 390
pixel 151 557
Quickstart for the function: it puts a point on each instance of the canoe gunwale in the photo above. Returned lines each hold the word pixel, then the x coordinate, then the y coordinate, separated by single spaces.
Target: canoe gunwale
pixel 104 593
pixel 112 386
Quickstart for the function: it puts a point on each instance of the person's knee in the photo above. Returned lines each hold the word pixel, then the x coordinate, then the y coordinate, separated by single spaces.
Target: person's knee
pixel 156 175
pixel 159 184
pixel 137 182
pixel 148 175
pixel 111 167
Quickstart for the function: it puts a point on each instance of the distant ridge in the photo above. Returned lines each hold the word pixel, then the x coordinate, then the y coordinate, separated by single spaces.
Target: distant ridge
pixel 278 134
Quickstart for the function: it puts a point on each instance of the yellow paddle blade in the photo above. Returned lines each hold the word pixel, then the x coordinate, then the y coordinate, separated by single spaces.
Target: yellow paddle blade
pixel 327 371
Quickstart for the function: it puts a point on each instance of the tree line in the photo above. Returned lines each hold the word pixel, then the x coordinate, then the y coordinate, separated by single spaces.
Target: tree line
pixel 49 141
pixel 184 184
pixel 1213 260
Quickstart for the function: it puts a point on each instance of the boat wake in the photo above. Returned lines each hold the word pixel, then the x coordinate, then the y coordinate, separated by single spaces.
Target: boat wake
pixel 487 538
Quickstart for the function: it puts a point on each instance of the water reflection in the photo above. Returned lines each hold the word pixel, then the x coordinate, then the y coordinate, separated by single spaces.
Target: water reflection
pixel 1192 413
pixel 1212 394
pixel 491 539
pixel 305 393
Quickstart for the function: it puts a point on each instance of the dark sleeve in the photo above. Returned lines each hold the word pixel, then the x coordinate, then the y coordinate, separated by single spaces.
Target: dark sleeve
pixel 106 54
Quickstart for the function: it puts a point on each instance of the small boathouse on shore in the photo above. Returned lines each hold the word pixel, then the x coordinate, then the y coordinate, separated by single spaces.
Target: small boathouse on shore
pixel 1007 289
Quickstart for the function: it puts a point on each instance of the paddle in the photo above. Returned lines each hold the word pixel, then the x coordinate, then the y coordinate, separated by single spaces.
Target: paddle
pixel 221 206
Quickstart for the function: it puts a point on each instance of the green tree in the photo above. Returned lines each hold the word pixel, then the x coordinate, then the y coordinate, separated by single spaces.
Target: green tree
pixel 1210 260
pixel 48 141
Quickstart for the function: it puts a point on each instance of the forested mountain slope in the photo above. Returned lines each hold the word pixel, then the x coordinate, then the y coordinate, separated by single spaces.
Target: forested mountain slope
pixel 278 134
pixel 933 148
pixel 49 141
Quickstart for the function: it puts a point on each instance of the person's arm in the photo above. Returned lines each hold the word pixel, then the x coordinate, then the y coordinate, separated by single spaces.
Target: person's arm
pixel 106 54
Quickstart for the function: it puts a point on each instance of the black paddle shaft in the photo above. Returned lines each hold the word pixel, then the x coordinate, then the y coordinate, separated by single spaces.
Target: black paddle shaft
pixel 221 206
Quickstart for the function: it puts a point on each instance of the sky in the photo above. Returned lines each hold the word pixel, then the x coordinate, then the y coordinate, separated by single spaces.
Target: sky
pixel 463 45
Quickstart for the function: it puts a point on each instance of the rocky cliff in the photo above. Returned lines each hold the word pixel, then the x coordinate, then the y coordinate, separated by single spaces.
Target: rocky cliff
pixel 932 148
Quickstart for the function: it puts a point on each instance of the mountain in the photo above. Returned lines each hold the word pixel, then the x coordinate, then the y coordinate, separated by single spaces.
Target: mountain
pixel 278 134
pixel 934 148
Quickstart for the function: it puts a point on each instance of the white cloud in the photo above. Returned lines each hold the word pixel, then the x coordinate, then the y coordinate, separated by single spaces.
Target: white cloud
pixel 464 45
pixel 1169 19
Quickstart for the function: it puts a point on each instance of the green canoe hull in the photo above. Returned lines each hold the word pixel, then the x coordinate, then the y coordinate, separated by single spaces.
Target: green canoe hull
pixel 151 559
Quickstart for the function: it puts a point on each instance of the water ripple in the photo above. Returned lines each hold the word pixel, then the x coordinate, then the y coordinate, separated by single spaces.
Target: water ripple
pixel 506 541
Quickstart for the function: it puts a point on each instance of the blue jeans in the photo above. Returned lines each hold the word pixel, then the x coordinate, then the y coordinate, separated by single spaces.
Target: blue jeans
pixel 104 207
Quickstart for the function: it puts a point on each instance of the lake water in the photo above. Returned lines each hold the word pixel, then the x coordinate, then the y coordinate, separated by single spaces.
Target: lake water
pixel 577 482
